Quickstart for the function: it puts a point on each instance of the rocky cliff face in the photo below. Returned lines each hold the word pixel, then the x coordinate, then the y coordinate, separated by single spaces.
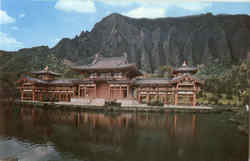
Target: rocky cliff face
pixel 201 39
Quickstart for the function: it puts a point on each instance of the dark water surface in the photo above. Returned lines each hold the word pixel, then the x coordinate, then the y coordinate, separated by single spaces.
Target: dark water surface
pixel 51 135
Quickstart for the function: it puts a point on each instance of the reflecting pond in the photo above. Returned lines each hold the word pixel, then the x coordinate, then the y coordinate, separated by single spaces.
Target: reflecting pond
pixel 31 134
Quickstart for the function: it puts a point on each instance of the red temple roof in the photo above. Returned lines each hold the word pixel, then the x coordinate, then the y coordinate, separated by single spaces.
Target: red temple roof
pixel 152 81
pixel 45 71
pixel 164 81
pixel 181 77
pixel 107 64
pixel 57 82
pixel 185 69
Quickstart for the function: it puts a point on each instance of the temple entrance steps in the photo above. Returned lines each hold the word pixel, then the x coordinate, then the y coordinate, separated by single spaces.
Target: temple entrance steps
pixel 98 102
pixel 87 101
pixel 80 101
pixel 129 102
pixel 101 102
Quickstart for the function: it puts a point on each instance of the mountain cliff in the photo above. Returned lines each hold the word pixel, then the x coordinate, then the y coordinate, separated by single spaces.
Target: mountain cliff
pixel 150 43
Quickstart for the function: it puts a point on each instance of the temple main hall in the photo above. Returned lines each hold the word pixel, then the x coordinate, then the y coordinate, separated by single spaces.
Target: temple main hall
pixel 111 79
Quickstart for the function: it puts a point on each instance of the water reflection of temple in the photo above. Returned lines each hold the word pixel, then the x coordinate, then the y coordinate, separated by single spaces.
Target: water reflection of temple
pixel 147 136
pixel 175 123
pixel 86 130
pixel 98 128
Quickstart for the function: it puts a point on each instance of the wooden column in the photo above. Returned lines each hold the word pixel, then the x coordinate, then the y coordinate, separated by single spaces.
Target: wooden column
pixel 166 99
pixel 176 99
pixel 79 91
pixel 33 93
pixel 158 94
pixel 40 95
pixel 194 99
pixel 47 94
pixel 127 91
pixel 147 97
pixel 63 97
pixel 176 94
pixel 120 91
pixel 110 92
pixel 74 90
pixel 95 91
pixel 22 94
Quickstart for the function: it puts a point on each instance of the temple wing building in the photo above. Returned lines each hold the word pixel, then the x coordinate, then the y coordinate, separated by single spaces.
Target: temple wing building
pixel 181 89
pixel 44 86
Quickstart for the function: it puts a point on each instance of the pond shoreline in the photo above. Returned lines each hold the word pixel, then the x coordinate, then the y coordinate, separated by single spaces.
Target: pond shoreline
pixel 71 107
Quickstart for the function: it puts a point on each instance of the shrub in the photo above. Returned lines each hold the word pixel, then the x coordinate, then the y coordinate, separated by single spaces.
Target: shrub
pixel 155 103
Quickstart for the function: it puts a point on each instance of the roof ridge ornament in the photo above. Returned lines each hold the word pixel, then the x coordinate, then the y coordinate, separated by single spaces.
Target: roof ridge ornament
pixel 46 68
pixel 125 55
pixel 97 56
pixel 184 63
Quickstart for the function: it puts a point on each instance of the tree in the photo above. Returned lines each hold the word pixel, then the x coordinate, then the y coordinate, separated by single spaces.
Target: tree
pixel 7 87
pixel 166 71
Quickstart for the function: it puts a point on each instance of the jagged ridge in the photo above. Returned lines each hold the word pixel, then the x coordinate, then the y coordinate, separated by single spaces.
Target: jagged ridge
pixel 151 43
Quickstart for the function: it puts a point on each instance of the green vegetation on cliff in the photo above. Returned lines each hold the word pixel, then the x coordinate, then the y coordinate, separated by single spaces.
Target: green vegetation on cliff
pixel 228 87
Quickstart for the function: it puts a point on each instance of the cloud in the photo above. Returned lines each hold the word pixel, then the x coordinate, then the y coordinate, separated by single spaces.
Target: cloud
pixel 14 28
pixel 43 0
pixel 130 2
pixel 161 2
pixel 158 8
pixel 194 6
pixel 9 43
pixel 5 19
pixel 54 42
pixel 224 0
pixel 22 15
pixel 117 2
pixel 146 12
pixel 80 6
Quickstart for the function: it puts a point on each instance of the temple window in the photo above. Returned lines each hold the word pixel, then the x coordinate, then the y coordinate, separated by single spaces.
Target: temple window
pixel 108 74
pixel 118 75
pixel 93 75
pixel 102 75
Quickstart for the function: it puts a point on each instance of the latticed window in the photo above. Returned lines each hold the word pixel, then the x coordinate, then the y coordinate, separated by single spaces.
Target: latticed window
pixel 118 75
pixel 93 75
pixel 103 75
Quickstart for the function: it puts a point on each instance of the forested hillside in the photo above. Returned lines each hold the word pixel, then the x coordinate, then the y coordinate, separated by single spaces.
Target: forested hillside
pixel 150 43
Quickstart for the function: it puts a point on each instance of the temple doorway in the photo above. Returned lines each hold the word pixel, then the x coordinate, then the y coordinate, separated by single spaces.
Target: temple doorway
pixel 102 89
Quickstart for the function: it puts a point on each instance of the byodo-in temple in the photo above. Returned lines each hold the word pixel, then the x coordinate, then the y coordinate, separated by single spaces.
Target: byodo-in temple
pixel 109 79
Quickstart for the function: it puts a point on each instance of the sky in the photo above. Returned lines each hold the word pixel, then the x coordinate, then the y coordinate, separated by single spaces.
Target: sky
pixel 30 23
